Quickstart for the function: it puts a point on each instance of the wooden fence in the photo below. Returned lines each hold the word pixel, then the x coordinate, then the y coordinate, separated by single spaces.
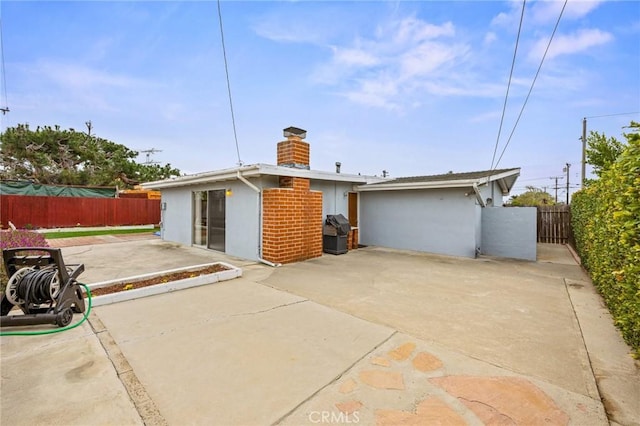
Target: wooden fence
pixel 26 211
pixel 554 224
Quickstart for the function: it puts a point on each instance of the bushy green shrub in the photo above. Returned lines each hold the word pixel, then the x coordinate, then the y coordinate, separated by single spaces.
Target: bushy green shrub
pixel 606 225
pixel 15 239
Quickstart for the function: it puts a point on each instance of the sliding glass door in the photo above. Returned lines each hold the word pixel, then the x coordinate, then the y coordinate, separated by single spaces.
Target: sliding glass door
pixel 216 220
pixel 209 219
pixel 200 218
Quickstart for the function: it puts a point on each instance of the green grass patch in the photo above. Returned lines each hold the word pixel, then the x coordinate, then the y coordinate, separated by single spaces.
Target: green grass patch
pixel 69 234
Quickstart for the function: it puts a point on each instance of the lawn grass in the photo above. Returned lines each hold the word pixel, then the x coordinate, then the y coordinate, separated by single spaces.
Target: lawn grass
pixel 68 234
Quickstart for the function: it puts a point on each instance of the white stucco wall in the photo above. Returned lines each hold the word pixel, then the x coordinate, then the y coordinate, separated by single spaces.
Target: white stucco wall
pixel 242 216
pixel 478 227
pixel 334 200
pixel 242 228
pixel 493 191
pixel 177 215
pixel 438 221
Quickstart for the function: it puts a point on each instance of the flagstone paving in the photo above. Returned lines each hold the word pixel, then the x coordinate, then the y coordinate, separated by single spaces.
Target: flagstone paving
pixel 409 382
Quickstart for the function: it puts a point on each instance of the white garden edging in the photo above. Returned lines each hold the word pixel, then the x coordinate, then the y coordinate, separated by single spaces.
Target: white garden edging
pixel 107 299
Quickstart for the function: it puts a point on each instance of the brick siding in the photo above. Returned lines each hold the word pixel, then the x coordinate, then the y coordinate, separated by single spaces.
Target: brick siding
pixel 292 222
pixel 293 152
pixel 352 239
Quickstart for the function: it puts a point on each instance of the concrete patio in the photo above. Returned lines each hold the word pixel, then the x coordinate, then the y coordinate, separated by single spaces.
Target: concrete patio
pixel 376 336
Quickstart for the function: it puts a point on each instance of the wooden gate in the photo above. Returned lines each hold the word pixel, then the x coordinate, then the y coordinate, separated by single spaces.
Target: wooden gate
pixel 554 224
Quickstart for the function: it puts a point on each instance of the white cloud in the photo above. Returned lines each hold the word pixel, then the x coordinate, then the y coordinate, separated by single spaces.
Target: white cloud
pixel 385 69
pixel 411 30
pixel 79 77
pixel 548 11
pixel 486 116
pixel 301 25
pixel 428 57
pixel 510 17
pixel 543 12
pixel 354 57
pixel 489 38
pixel 461 85
pixel 378 92
pixel 567 44
pixel 290 33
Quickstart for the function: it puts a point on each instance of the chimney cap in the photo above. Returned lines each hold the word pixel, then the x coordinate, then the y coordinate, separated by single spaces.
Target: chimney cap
pixel 294 131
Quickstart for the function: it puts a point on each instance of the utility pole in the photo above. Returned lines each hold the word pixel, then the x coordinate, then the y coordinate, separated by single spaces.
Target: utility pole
pixel 566 169
pixel 556 185
pixel 584 151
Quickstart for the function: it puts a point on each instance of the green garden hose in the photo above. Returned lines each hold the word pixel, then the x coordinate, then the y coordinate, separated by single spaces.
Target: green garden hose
pixel 56 330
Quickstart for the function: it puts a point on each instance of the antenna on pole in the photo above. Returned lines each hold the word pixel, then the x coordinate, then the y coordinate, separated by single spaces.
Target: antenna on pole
pixel 149 153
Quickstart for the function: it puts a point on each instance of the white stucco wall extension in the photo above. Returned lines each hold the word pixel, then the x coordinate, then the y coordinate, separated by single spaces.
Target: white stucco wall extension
pixel 436 220
pixel 510 232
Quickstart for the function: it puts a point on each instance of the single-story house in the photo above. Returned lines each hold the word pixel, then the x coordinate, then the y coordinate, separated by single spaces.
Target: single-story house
pixel 275 213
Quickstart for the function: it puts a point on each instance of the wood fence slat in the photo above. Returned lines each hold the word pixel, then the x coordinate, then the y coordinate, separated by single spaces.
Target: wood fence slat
pixel 53 212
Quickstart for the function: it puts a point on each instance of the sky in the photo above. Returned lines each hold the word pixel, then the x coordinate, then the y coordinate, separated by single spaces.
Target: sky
pixel 410 87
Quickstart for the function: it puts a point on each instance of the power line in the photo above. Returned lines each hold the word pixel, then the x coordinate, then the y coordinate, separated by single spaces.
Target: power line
pixel 613 115
pixel 533 83
pixel 4 108
pixel 506 96
pixel 226 69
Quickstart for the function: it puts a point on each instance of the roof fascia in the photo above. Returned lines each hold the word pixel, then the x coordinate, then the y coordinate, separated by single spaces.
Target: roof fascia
pixel 503 175
pixel 258 170
pixel 458 183
pixel 207 177
pixel 466 183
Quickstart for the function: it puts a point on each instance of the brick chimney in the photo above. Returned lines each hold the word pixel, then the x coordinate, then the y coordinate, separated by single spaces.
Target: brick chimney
pixel 294 152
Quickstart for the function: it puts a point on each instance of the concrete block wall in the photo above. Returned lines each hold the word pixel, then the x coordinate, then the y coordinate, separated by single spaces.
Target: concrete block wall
pixel 292 222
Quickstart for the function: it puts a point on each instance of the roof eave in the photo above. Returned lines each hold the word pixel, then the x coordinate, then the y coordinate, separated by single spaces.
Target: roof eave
pixel 418 185
pixel 215 176
pixel 253 171
pixel 505 180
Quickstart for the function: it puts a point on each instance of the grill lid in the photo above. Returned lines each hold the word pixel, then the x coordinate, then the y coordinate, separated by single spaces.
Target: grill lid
pixel 339 222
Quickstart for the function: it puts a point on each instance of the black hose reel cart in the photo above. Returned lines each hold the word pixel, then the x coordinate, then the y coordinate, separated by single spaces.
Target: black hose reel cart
pixel 42 286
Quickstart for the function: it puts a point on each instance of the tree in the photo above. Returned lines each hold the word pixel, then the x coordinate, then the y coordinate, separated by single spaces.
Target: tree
pixel 602 152
pixel 534 197
pixel 50 155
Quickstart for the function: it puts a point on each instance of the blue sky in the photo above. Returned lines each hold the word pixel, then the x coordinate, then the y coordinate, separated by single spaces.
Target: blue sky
pixel 412 87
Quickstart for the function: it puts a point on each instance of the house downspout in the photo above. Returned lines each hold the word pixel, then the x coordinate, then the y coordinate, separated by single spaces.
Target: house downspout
pixel 478 195
pixel 259 193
